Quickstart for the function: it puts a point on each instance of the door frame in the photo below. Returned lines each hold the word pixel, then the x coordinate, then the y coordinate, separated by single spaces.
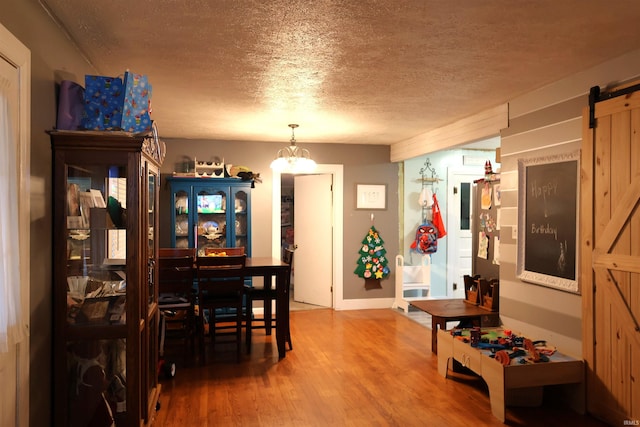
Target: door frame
pixel 453 249
pixel 16 53
pixel 338 183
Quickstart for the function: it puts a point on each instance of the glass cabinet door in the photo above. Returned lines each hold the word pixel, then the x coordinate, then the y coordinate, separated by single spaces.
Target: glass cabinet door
pixel 241 224
pixel 151 341
pixel 97 363
pixel 181 219
pixel 211 219
pixel 94 281
pixel 152 189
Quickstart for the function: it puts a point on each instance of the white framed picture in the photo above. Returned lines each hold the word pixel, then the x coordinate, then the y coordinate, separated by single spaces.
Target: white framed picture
pixel 371 196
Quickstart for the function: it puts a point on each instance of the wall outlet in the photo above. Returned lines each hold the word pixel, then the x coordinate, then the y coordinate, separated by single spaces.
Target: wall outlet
pixel 514 232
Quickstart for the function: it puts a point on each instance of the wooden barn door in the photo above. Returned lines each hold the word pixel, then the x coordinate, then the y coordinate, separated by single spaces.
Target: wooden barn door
pixel 610 254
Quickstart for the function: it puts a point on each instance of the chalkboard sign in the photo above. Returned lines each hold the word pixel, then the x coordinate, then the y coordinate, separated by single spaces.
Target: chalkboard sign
pixel 548 197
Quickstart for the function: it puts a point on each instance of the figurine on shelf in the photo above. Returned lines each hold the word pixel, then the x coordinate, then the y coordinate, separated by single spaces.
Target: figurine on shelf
pixel 245 173
pixel 214 169
pixel 489 174
pixel 488 169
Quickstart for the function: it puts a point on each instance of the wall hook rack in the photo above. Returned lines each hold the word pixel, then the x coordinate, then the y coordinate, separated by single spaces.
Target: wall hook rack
pixel 428 177
pixel 428 168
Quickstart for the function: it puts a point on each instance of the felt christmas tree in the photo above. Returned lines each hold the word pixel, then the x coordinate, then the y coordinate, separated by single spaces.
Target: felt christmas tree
pixel 372 263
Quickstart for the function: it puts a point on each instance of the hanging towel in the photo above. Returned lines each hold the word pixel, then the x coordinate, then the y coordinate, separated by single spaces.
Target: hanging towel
pixel 426 197
pixel 436 218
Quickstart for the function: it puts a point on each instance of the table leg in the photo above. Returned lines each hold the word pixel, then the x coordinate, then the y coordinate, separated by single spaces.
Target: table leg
pixel 436 321
pixel 445 354
pixel 267 304
pixel 282 313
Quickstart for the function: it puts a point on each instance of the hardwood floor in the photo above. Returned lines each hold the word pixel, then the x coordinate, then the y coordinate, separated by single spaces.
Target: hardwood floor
pixel 347 368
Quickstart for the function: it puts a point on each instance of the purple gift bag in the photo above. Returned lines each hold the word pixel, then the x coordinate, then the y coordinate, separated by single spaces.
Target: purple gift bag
pixel 70 106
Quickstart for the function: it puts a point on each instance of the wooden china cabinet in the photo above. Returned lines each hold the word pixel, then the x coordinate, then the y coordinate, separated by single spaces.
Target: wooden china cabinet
pixel 105 312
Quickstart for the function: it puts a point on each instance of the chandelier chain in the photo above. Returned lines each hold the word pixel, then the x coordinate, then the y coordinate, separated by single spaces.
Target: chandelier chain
pixel 293 127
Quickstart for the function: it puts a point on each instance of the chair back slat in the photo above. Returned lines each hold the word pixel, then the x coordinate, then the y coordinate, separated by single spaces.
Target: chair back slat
pixel 220 275
pixel 176 252
pixel 175 274
pixel 287 256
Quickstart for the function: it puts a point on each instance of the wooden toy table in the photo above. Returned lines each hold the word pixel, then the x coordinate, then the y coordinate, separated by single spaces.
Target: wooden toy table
pixel 516 384
pixel 447 310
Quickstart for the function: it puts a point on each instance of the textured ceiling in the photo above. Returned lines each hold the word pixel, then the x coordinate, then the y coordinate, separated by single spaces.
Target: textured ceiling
pixel 348 71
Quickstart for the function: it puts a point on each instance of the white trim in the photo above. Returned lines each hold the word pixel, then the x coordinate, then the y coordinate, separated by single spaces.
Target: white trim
pixel 419 272
pixel 617 70
pixel 546 278
pixel 453 245
pixel 485 124
pixel 19 55
pixel 338 183
pixel 366 304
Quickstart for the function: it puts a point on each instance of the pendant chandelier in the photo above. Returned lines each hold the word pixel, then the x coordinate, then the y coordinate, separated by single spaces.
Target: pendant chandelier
pixel 293 159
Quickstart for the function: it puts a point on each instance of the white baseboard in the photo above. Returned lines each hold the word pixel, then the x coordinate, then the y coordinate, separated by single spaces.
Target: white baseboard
pixel 349 304
pixel 364 304
pixel 260 310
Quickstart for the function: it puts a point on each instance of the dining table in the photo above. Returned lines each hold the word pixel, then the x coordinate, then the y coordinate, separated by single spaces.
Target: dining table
pixel 268 267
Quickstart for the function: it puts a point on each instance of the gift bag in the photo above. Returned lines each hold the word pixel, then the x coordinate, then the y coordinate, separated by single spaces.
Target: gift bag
pixel 70 106
pixel 103 99
pixel 436 218
pixel 136 113
pixel 113 103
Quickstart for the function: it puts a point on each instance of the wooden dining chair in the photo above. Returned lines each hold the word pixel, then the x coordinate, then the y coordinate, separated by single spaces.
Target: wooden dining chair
pixel 177 252
pixel 267 294
pixel 176 297
pixel 221 293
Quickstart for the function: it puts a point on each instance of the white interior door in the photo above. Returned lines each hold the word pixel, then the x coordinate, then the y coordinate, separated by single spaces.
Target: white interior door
pixel 313 259
pixel 15 75
pixel 459 217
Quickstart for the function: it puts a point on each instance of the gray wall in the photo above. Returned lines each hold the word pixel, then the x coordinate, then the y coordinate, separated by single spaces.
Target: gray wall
pixel 554 311
pixel 542 123
pixel 362 164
